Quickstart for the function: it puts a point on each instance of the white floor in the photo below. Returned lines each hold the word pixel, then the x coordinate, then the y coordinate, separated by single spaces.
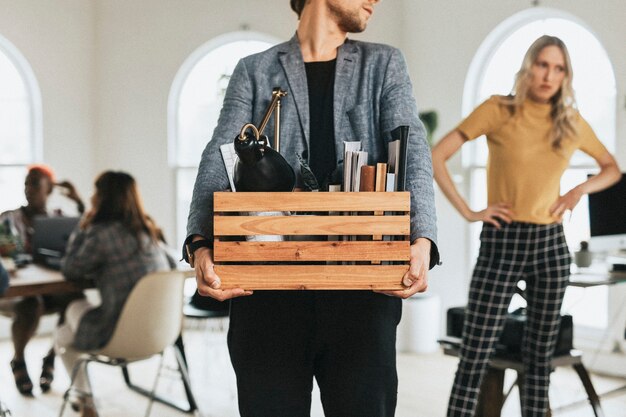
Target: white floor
pixel 425 381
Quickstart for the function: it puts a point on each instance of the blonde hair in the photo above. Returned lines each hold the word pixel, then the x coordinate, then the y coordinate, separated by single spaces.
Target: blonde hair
pixel 563 103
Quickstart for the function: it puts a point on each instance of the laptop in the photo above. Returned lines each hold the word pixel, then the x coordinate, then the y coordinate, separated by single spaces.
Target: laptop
pixel 50 238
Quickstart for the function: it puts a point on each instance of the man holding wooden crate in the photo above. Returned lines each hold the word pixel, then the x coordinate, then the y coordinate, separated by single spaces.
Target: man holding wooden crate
pixel 337 90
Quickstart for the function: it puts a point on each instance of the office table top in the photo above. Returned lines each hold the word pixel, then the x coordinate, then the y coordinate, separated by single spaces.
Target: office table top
pixel 38 280
pixel 584 277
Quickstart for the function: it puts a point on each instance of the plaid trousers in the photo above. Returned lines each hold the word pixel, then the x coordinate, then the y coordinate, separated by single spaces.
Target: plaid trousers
pixel 537 254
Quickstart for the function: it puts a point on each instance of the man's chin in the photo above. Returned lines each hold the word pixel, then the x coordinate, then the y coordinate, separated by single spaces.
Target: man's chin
pixel 355 28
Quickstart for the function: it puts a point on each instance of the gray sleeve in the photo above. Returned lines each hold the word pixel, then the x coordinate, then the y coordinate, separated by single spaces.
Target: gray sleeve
pixel 398 108
pixel 212 176
pixel 84 254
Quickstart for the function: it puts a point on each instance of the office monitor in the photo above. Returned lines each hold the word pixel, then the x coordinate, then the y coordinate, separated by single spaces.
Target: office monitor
pixel 607 219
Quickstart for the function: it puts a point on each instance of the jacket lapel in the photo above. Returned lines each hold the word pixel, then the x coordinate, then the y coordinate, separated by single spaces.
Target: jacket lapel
pixel 347 61
pixel 293 65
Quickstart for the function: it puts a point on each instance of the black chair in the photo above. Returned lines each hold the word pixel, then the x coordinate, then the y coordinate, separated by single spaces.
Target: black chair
pixel 492 395
pixel 206 308
pixel 508 356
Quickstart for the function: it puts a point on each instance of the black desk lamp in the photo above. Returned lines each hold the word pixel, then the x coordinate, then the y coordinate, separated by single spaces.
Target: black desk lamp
pixel 259 167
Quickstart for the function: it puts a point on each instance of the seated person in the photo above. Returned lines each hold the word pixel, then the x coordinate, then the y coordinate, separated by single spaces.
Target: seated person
pixel 115 245
pixel 26 311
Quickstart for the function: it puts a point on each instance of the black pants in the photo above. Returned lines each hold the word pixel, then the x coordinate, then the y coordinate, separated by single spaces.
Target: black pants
pixel 280 340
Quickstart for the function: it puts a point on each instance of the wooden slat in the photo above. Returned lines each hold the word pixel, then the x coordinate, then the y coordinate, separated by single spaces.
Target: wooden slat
pixel 361 201
pixel 311 277
pixel 311 225
pixel 277 275
pixel 311 251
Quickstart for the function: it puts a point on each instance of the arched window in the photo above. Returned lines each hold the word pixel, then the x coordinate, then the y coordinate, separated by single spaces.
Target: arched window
pixel 492 72
pixel 194 104
pixel 20 123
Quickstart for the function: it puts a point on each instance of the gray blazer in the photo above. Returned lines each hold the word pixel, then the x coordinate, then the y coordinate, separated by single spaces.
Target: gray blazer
pixel 372 96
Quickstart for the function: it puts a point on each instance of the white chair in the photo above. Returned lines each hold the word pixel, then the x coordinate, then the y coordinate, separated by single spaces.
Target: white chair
pixel 150 321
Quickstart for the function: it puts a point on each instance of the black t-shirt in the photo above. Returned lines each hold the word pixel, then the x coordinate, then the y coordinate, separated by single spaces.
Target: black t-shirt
pixel 321 82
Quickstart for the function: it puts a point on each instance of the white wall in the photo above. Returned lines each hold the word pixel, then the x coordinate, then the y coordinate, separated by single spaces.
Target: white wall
pixel 57 39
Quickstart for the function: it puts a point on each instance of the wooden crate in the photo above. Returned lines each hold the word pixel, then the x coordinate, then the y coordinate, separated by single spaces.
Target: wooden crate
pixel 315 263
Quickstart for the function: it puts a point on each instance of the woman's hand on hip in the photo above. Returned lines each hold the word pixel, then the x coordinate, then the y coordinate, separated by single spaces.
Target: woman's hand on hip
pixel 494 214
pixel 565 202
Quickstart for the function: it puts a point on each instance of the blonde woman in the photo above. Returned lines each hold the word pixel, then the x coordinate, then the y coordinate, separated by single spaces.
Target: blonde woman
pixel 531 136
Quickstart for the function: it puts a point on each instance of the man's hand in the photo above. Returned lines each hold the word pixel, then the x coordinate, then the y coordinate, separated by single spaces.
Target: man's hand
pixel 416 278
pixel 207 280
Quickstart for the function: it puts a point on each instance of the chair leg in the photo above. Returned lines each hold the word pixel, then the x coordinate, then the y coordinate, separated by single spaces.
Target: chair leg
pixel 154 386
pixel 184 372
pixel 593 397
pixel 490 399
pixel 178 349
pixel 181 359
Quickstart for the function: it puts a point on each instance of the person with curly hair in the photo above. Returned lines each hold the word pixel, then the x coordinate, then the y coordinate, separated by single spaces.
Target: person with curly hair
pixel 27 311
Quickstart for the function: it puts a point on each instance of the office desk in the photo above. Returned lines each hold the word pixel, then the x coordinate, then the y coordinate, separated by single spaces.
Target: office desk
pixel 598 276
pixel 492 396
pixel 37 280
pixel 586 279
pixel 615 332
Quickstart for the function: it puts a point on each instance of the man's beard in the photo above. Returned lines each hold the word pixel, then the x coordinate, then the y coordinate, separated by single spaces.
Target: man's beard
pixel 348 21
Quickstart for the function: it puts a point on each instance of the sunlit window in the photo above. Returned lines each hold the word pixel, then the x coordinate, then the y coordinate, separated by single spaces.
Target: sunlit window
pixel 20 122
pixel 195 102
pixel 493 71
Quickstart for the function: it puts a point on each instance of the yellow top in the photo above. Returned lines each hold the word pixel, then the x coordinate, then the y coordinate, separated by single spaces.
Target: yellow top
pixel 523 169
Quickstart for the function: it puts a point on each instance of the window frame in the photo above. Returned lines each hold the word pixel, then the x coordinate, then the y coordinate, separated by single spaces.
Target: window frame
pixel 185 69
pixel 179 170
pixel 33 97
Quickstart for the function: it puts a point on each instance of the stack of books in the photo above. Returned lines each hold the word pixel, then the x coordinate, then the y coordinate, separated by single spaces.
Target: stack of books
pixel 384 176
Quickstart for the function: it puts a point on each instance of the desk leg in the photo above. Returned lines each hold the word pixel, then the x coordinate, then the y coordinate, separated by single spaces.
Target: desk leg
pixel 594 400
pixel 491 396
